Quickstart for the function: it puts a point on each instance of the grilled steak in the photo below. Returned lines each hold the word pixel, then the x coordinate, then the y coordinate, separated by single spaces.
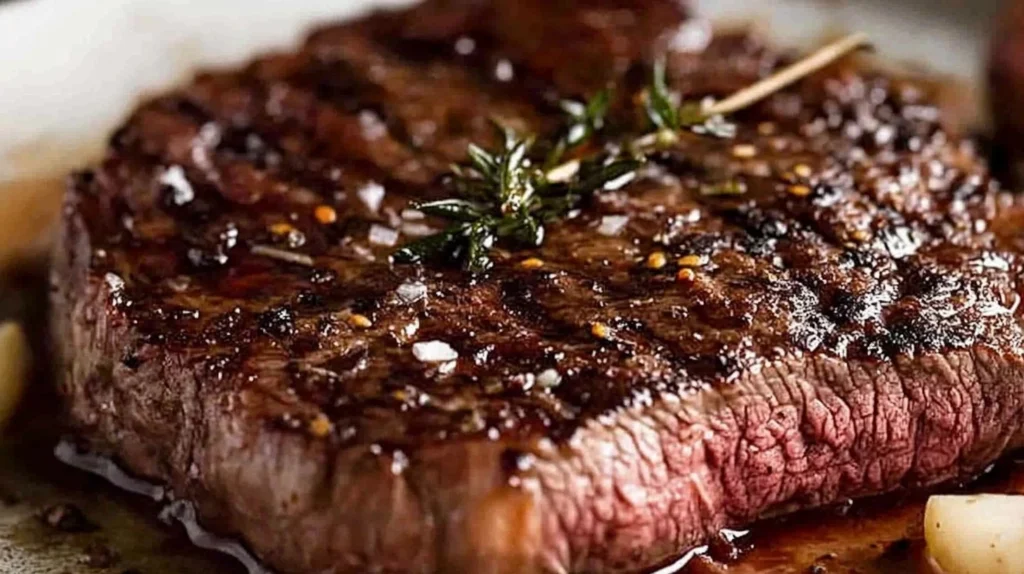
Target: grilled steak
pixel 229 321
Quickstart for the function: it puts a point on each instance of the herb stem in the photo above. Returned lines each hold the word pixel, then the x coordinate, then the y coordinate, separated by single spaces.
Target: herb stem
pixel 503 195
pixel 745 97
pixel 817 60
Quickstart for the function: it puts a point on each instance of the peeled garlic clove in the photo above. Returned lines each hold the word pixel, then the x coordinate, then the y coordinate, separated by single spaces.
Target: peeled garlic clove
pixel 15 358
pixel 976 534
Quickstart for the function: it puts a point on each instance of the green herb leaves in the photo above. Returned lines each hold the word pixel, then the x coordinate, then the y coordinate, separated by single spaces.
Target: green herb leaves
pixel 669 117
pixel 502 196
pixel 662 106
pixel 583 120
pixel 508 195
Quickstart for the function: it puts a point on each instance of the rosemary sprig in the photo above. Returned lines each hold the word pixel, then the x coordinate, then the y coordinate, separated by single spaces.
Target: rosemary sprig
pixel 669 117
pixel 583 121
pixel 503 195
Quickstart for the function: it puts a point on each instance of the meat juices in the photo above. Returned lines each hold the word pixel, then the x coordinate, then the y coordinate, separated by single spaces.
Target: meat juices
pixel 843 323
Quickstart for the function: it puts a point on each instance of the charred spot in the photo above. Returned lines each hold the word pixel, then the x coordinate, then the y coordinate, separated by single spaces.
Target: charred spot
pixel 927 282
pixel 862 258
pixel 131 360
pixel 224 327
pixel 517 295
pixel 762 224
pixel 278 322
pixel 911 330
pixel 326 327
pixel 845 307
pixel 825 194
pixel 702 243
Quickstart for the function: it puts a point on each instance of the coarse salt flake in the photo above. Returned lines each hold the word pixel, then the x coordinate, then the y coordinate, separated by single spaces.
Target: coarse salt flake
pixel 434 352
pixel 549 378
pixel 181 190
pixel 411 291
pixel 380 235
pixel 612 225
pixel 371 194
pixel 114 282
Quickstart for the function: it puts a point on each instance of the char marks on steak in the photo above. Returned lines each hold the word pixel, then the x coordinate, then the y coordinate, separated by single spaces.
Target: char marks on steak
pixel 851 327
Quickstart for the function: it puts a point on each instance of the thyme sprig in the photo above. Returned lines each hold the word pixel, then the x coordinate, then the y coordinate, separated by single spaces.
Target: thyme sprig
pixel 509 194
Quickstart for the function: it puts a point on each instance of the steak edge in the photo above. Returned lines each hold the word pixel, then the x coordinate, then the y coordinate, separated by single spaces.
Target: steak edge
pixel 852 327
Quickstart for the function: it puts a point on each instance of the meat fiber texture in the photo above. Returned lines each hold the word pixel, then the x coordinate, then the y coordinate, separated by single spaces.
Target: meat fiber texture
pixel 851 326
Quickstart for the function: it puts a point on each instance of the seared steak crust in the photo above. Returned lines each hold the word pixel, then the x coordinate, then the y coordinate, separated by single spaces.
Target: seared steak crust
pixel 851 326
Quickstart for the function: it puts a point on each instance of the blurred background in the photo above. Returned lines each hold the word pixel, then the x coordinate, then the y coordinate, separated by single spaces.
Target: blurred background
pixel 70 68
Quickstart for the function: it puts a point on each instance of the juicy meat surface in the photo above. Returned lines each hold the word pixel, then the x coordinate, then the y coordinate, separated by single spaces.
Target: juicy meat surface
pixel 852 325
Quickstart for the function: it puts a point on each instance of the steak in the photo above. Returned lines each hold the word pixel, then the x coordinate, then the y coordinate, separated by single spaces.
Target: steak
pixel 229 322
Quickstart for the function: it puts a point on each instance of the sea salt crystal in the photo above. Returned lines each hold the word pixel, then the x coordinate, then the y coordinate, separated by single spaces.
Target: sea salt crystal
pixel 417 229
pixel 612 225
pixel 114 282
pixel 174 178
pixel 380 235
pixel 411 292
pixel 371 194
pixel 549 378
pixel 373 127
pixel 434 352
